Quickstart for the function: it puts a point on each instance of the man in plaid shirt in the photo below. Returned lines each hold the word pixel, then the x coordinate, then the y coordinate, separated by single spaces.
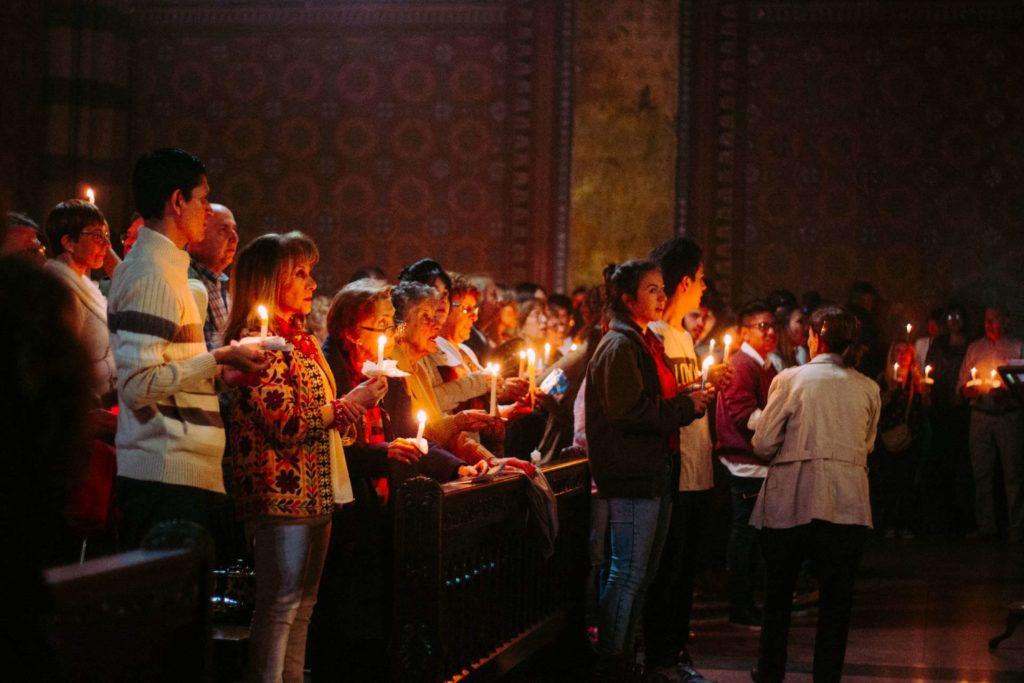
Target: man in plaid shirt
pixel 210 258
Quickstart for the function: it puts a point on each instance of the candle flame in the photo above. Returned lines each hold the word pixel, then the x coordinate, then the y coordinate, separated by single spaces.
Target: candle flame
pixel 531 355
pixel 728 341
pixel 708 362
pixel 573 347
pixel 494 368
pixel 261 310
pixel 421 416
pixel 522 354
pixel 90 195
pixel 992 374
pixel 909 328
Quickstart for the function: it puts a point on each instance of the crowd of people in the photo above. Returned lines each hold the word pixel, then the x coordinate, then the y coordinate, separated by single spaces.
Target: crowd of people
pixel 209 375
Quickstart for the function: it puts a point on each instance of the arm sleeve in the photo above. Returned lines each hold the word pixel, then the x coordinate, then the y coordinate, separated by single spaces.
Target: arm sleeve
pixel 452 393
pixel 739 400
pixel 142 331
pixel 771 425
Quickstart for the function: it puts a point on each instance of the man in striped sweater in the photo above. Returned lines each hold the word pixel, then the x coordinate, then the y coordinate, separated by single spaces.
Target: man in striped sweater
pixel 170 436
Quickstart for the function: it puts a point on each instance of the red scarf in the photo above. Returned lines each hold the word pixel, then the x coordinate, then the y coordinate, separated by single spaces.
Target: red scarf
pixel 666 378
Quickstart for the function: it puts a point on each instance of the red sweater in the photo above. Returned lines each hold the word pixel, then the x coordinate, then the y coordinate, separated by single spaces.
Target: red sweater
pixel 747 392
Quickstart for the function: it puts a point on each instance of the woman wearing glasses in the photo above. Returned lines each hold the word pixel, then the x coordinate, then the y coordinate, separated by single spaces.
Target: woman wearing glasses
pixel 351 623
pixel 80 239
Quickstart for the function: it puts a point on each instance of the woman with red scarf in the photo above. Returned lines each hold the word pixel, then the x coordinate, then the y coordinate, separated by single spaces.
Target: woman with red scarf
pixel 633 414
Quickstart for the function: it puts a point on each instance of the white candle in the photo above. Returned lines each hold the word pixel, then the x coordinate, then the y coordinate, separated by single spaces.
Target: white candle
pixel 421 417
pixel 705 370
pixel 547 354
pixel 493 369
pixel 895 372
pixel 728 343
pixel 531 371
pixel 711 347
pixel 927 371
pixel 909 328
pixel 994 379
pixel 90 195
pixel 381 343
pixel 522 363
pixel 261 310
pixel 974 374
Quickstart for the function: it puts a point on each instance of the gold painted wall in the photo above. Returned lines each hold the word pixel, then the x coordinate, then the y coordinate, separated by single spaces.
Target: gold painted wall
pixel 624 139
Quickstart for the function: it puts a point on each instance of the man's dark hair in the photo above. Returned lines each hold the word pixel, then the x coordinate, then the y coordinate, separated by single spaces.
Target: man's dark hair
pixel 560 301
pixel 426 271
pixel 677 258
pixel 527 290
pixel 754 308
pixel 158 174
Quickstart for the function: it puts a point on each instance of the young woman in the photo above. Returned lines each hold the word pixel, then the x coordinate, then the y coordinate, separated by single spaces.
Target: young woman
pixel 815 433
pixel 287 456
pixel 633 415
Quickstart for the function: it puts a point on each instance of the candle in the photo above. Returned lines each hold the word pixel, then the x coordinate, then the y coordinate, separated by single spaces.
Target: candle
pixel 261 310
pixel 573 347
pixel 974 374
pixel 994 379
pixel 711 347
pixel 909 328
pixel 493 369
pixel 522 363
pixel 90 195
pixel 927 371
pixel 728 343
pixel 547 354
pixel 421 417
pixel 705 370
pixel 382 341
pixel 531 372
pixel 895 372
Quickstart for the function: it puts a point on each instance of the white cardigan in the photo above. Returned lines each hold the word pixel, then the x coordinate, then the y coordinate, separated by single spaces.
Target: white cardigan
pixel 93 330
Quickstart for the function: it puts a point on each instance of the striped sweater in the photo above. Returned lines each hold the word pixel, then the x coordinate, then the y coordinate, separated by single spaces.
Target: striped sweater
pixel 169 427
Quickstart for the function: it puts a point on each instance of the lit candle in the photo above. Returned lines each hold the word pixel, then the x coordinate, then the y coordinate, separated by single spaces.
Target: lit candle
pixel 927 371
pixel 547 354
pixel 573 347
pixel 493 369
pixel 895 372
pixel 261 310
pixel 728 343
pixel 994 379
pixel 522 363
pixel 90 195
pixel 382 341
pixel 705 370
pixel 531 371
pixel 909 328
pixel 974 374
pixel 421 417
pixel 711 347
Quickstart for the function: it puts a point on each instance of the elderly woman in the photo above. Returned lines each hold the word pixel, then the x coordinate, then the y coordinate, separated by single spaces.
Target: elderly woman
pixel 455 372
pixel 815 434
pixel 287 456
pixel 351 623
pixel 633 415
pixel 80 241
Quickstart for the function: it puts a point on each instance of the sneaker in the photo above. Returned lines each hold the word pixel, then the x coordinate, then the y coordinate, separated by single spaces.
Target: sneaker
pixel 687 674
pixel 749 617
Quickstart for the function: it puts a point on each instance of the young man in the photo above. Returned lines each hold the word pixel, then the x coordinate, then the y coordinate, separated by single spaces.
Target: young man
pixel 170 437
pixel 739 407
pixel 210 258
pixel 670 596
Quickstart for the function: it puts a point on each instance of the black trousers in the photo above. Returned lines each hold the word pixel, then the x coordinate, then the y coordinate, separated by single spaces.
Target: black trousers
pixel 670 596
pixel 835 550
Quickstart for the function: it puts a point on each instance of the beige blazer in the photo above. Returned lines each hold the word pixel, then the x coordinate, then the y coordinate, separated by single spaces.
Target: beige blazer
pixel 816 432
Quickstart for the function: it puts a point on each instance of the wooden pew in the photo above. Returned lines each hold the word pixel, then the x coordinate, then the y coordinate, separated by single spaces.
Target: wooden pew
pixel 137 616
pixel 474 595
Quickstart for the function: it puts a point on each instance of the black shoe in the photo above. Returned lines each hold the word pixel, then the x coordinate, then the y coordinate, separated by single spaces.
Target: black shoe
pixel 749 617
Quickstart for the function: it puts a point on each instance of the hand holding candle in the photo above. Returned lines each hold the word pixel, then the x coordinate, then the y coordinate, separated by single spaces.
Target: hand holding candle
pixel 705 370
pixel 261 310
pixel 421 443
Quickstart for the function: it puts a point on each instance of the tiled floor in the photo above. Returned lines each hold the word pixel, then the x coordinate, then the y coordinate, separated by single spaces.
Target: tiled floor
pixel 924 610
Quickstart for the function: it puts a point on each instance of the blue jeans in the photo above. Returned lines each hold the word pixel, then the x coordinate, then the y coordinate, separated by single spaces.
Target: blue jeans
pixel 289 556
pixel 638 528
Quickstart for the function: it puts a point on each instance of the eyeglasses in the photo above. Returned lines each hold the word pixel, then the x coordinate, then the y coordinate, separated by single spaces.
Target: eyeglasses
pixel 763 326
pixel 98 235
pixel 387 329
pixel 468 311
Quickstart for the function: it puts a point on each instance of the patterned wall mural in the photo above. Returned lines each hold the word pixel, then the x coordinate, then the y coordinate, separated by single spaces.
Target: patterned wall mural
pixel 388 131
pixel 870 141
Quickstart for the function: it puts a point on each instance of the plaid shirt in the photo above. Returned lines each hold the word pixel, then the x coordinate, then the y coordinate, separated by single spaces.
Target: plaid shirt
pixel 220 302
